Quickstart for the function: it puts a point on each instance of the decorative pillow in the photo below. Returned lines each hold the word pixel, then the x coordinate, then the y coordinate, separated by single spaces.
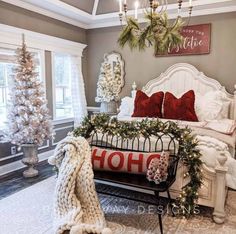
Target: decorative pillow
pixel 214 105
pixel 157 169
pixel 180 108
pixel 121 161
pixel 126 107
pixel 145 106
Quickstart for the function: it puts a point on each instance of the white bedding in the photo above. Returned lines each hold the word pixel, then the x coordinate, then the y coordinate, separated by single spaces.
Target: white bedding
pixel 211 147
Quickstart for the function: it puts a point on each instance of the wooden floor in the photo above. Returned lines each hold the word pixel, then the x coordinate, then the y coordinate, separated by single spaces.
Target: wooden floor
pixel 15 182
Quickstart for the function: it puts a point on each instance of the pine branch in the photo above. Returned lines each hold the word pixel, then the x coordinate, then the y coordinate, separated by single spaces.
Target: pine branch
pixel 188 151
pixel 145 38
pixel 128 35
pixel 158 33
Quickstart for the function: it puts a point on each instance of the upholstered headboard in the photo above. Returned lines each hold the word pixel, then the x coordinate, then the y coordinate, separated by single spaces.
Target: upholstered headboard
pixel 182 77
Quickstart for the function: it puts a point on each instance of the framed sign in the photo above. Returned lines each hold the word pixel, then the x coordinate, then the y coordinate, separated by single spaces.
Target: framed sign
pixel 196 40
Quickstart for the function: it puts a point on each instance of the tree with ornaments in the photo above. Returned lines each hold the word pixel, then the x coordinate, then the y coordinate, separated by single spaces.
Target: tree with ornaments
pixel 106 86
pixel 28 116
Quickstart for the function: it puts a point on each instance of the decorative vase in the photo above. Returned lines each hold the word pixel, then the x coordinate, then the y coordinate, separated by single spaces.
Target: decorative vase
pixel 109 107
pixel 30 159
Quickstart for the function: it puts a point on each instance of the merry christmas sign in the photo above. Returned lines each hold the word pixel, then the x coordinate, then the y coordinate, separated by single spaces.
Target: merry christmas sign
pixel 196 40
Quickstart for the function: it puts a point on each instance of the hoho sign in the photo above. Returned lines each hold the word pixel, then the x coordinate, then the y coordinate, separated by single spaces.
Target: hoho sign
pixel 196 40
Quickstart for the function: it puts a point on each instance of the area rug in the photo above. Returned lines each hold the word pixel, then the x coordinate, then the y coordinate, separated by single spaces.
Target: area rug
pixel 30 212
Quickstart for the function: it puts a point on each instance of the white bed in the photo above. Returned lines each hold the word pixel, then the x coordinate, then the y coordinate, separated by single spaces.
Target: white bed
pixel 179 79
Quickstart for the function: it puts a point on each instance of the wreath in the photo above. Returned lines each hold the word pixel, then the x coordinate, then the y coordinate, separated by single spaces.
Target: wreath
pixel 188 152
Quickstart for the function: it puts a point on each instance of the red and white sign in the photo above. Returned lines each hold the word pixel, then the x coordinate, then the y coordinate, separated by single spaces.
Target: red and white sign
pixel 196 40
pixel 121 161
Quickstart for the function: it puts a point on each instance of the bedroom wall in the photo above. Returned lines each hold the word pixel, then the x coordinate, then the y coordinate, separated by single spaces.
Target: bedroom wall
pixel 140 67
pixel 18 17
pixel 143 66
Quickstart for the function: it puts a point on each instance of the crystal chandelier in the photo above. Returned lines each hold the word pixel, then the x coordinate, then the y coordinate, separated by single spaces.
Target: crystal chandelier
pixel 158 30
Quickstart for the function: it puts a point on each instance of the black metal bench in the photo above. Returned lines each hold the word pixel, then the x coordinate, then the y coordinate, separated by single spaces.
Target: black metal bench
pixel 133 180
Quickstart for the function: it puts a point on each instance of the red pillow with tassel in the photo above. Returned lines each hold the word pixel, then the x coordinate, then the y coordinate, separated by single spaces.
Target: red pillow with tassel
pixel 145 106
pixel 180 108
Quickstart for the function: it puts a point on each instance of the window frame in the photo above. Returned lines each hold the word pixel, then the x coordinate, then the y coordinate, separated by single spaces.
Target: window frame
pixel 6 90
pixel 33 50
pixel 42 68
pixel 56 120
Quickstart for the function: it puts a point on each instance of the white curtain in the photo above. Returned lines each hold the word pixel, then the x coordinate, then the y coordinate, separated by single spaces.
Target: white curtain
pixel 79 102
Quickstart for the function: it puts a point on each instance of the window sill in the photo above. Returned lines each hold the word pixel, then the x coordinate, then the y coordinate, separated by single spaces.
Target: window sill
pixel 93 108
pixel 62 121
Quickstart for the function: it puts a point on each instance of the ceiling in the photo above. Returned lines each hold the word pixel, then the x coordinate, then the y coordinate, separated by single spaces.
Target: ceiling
pixel 104 13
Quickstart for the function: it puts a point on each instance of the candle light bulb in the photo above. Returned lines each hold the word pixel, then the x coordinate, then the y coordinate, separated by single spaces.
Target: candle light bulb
pixel 179 11
pixel 136 5
pixel 190 3
pixel 120 5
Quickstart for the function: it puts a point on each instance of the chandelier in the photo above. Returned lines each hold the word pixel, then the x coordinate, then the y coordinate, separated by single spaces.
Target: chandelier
pixel 158 31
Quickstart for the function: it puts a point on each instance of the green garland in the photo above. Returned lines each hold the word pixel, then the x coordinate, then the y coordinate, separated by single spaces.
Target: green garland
pixel 188 152
pixel 158 33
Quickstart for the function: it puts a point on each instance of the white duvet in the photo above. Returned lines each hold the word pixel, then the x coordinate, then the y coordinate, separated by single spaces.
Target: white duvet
pixel 211 148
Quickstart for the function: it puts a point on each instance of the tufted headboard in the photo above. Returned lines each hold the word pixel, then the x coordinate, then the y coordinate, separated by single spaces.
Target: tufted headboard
pixel 182 77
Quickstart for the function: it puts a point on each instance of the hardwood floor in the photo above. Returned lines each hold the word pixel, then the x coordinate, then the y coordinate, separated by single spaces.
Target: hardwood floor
pixel 15 181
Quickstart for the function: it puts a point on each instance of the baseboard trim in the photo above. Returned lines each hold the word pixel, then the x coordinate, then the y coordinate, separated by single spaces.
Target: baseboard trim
pixel 17 165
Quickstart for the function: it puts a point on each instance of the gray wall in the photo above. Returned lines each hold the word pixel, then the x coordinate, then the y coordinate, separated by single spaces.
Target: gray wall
pixel 21 18
pixel 139 66
pixel 25 19
pixel 143 66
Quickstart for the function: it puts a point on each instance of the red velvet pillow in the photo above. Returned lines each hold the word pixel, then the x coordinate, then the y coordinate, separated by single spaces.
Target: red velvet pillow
pixel 180 109
pixel 145 106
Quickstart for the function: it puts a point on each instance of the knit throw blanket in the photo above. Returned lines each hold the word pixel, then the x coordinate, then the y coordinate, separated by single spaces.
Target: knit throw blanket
pixel 76 205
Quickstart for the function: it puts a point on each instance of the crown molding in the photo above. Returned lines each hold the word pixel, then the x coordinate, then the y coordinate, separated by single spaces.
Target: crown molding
pixel 63 6
pixel 13 36
pixel 111 19
pixel 95 7
pixel 47 13
pixel 66 13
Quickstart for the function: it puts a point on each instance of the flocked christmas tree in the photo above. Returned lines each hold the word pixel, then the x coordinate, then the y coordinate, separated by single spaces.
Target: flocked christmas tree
pixel 29 120
pixel 108 84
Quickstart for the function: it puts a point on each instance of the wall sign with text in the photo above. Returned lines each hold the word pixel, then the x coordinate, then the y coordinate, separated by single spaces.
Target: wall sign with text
pixel 196 40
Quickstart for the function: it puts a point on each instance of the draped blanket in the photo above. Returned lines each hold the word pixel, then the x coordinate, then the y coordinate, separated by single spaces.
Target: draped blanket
pixel 76 205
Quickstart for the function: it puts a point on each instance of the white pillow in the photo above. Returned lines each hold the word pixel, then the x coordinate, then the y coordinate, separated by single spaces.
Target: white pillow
pixel 214 105
pixel 126 107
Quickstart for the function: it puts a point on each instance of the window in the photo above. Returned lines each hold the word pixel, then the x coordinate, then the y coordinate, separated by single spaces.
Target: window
pixel 5 73
pixel 7 63
pixel 62 86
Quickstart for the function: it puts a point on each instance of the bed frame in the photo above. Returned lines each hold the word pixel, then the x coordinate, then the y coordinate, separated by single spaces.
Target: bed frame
pixel 178 79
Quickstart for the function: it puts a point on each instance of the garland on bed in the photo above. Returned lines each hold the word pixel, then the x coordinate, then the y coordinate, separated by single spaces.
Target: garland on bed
pixel 188 152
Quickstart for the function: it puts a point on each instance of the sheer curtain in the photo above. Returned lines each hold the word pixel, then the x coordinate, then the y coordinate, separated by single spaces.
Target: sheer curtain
pixel 7 62
pixel 79 102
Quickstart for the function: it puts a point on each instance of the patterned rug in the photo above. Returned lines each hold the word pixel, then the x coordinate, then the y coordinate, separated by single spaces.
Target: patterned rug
pixel 29 211
pixel 143 217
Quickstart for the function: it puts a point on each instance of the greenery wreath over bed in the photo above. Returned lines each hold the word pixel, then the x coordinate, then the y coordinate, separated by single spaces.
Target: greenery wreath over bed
pixel 188 152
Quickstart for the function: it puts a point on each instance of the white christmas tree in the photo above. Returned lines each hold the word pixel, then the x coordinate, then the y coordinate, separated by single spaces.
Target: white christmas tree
pixel 29 120
pixel 107 84
pixel 117 78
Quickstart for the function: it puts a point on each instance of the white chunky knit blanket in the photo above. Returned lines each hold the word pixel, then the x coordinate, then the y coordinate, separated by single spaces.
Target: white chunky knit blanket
pixel 76 205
